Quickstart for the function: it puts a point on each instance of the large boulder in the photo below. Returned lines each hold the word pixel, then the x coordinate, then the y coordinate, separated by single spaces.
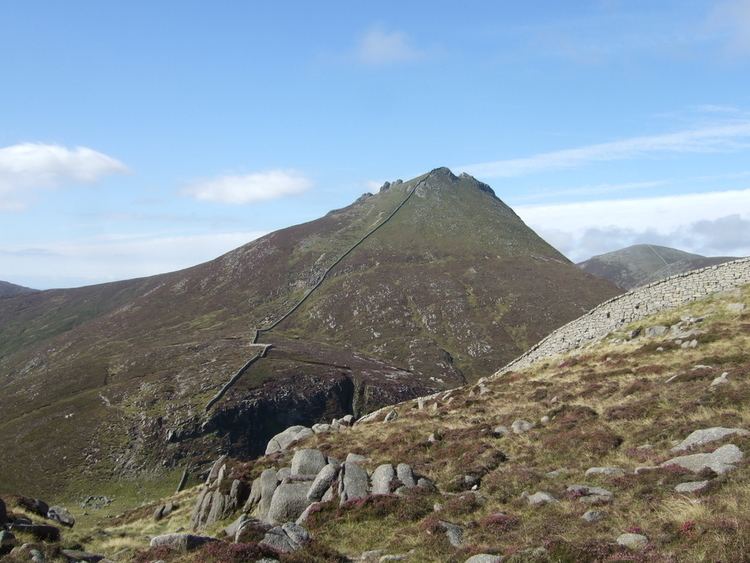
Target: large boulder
pixel 521 426
pixel 288 502
pixel 284 439
pixel 201 509
pixel 382 478
pixel 541 498
pixel 606 471
pixel 308 462
pixel 286 538
pixel 61 515
pixel 7 541
pixel 353 482
pixel 213 473
pixel 41 532
pixel 231 530
pixel 164 510
pixel 590 495
pixel 181 542
pixel 453 532
pixel 719 461
pixel 484 558
pixel 81 556
pixel 254 498
pixel 406 475
pixel 692 487
pixel 708 435
pixel 268 483
pixel 635 542
pixel 323 480
pixel 238 494
pixel 34 505
pixel 656 331
pixel 218 506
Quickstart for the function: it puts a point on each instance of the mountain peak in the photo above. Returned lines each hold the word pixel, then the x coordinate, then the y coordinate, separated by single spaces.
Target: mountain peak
pixel 442 176
pixel 442 172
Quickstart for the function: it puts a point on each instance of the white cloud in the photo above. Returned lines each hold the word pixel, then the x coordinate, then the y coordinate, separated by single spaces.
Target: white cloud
pixel 380 47
pixel 714 223
pixel 250 188
pixel 374 185
pixel 708 139
pixel 732 17
pixel 113 257
pixel 594 189
pixel 29 166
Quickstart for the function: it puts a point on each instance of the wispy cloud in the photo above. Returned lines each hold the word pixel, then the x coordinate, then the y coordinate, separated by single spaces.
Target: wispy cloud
pixel 596 189
pixel 250 188
pixel 700 222
pixel 378 46
pixel 708 139
pixel 30 166
pixel 113 257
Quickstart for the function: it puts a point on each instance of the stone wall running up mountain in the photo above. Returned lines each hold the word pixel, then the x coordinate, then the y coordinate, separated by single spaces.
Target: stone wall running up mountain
pixel 634 305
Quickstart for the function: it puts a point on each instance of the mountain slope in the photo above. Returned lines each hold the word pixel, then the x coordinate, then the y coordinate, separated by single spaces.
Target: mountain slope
pixel 598 459
pixel 641 264
pixel 8 289
pixel 453 285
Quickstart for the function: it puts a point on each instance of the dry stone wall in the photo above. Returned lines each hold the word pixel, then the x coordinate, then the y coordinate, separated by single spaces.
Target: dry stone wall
pixel 634 305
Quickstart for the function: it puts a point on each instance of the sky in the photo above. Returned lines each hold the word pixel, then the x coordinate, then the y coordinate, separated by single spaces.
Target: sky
pixel 143 137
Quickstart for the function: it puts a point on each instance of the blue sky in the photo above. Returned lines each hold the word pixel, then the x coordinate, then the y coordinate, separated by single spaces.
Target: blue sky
pixel 141 137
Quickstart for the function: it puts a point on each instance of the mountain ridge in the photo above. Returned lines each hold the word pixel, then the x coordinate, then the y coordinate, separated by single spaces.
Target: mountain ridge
pixel 452 286
pixel 641 264
pixel 8 289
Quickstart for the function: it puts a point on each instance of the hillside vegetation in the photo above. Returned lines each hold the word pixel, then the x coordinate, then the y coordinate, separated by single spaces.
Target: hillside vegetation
pixel 113 380
pixel 512 459
pixel 641 264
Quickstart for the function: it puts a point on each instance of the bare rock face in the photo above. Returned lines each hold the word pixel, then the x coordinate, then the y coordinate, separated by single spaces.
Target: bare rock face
pixel 406 475
pixel 720 461
pixel 354 482
pixel 288 502
pixel 182 543
pixel 308 462
pixel 284 439
pixel 706 436
pixel 606 471
pixel 635 542
pixel 453 532
pixel 692 487
pixel 590 495
pixel 213 474
pixel 382 478
pixel 541 498
pixel 323 481
pixel 41 532
pixel 286 538
pixel 61 515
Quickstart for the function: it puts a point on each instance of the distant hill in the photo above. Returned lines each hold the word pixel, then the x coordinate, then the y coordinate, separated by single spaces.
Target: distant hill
pixel 116 378
pixel 8 289
pixel 645 263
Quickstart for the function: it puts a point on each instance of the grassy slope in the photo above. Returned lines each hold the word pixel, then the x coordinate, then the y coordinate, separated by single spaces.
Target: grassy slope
pixel 86 372
pixel 8 289
pixel 641 264
pixel 606 404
